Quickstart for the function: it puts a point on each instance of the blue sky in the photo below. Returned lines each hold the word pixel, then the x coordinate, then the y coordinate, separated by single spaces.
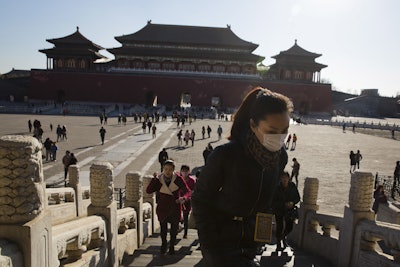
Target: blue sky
pixel 359 39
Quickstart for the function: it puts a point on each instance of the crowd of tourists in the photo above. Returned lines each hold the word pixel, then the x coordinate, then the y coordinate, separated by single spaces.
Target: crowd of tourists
pixel 50 146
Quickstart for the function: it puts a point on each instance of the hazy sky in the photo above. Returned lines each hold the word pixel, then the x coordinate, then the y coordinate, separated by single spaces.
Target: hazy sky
pixel 359 39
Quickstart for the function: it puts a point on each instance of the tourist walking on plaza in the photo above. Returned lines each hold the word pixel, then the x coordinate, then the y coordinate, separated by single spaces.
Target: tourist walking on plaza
pixel 102 132
pixel 187 207
pixel 192 135
pixel 358 159
pixel 171 189
pixel 144 127
pixel 203 131
pixel 65 161
pixel 286 196
pixel 53 150
pixel 64 133
pixel 154 129
pixel 58 132
pixel 236 185
pixel 208 130
pixel 47 146
pixel 219 131
pixel 179 135
pixel 207 151
pixel 294 142
pixel 295 171
pixel 379 198
pixel 162 157
pixel 353 161
pixel 187 137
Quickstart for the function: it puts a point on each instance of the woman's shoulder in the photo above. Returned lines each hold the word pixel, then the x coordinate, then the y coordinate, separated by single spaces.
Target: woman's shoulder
pixel 229 147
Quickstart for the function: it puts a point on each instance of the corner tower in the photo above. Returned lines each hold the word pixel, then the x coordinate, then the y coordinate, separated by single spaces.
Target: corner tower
pixel 73 52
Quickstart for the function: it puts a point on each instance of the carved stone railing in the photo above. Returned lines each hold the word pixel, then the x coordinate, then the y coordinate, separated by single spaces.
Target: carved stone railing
pixel 72 239
pixel 147 211
pixel 150 198
pixel 127 232
pixel 326 222
pixel 126 219
pixel 377 244
pixel 59 195
pixel 61 203
pixel 318 237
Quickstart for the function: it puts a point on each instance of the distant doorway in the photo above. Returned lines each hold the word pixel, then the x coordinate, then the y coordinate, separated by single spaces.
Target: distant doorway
pixel 149 99
pixel 60 96
pixel 304 108
pixel 215 101
pixel 186 100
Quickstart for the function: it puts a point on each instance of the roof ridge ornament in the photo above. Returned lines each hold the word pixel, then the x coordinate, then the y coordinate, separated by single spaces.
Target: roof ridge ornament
pixel 77 28
pixel 149 21
pixel 295 41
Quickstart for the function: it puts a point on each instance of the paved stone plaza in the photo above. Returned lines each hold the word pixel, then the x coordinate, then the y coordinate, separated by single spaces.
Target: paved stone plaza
pixel 322 151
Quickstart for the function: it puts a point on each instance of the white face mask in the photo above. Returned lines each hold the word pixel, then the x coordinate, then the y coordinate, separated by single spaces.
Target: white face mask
pixel 274 142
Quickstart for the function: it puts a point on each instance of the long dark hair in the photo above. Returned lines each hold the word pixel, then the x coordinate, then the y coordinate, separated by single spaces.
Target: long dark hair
pixel 258 103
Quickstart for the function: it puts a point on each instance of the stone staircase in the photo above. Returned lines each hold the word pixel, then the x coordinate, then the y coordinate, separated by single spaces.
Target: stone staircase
pixel 187 253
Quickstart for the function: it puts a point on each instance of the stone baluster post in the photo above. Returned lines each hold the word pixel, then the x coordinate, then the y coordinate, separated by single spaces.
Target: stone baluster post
pixel 307 207
pixel 359 208
pixel 134 199
pixel 73 172
pixel 102 203
pixel 151 198
pixel 24 219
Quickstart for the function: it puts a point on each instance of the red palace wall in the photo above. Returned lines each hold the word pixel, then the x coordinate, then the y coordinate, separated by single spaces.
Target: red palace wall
pixel 129 88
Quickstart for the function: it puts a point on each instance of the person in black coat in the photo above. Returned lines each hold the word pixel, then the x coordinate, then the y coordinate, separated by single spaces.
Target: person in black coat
pixel 162 157
pixel 286 196
pixel 237 183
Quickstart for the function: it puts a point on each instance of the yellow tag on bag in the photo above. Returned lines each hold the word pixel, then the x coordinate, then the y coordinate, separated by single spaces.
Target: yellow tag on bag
pixel 263 229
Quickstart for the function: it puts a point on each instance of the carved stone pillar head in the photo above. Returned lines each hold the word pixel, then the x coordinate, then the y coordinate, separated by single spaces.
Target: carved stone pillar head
pixel 310 191
pixel 73 172
pixel 134 186
pixel 146 182
pixel 361 191
pixel 101 184
pixel 22 187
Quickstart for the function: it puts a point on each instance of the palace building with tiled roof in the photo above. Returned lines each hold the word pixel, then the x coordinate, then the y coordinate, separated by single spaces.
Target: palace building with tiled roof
pixel 208 66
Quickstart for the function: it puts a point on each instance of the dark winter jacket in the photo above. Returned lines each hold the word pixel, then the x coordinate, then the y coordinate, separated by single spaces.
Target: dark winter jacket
pixel 231 189
pixel 283 195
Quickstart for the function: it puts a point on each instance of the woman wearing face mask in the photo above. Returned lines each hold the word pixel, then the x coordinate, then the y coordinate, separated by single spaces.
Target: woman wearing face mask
pixel 237 183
